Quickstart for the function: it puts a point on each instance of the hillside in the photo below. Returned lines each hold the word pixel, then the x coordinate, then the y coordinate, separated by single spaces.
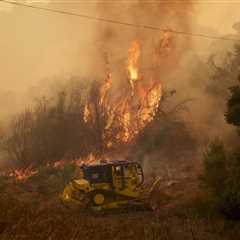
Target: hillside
pixel 32 210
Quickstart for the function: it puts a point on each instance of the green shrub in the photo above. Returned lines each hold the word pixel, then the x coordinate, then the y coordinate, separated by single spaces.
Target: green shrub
pixel 222 177
pixel 233 107
pixel 230 202
pixel 215 167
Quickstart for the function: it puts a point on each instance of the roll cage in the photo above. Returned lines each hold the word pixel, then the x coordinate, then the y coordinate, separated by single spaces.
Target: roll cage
pixel 103 173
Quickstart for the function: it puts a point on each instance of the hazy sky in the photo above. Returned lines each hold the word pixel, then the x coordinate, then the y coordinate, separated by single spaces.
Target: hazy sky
pixel 35 45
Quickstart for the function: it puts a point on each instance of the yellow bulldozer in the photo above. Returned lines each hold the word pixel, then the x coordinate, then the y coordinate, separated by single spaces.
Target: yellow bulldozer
pixel 107 185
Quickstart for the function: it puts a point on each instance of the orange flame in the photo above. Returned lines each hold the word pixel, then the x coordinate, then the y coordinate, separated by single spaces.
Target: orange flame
pixel 22 174
pixel 132 111
pixel 133 63
pixel 86 114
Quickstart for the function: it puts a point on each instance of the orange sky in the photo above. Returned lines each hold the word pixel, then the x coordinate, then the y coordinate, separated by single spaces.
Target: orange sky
pixel 35 45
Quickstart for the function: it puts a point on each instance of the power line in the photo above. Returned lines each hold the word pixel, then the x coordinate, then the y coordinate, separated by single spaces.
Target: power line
pixel 111 21
pixel 137 1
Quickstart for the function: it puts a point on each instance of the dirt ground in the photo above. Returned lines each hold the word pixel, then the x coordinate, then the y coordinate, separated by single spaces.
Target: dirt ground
pixel 29 210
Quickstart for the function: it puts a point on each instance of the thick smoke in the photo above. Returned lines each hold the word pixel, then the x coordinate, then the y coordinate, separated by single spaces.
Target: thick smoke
pixel 39 47
pixel 157 57
pixel 182 64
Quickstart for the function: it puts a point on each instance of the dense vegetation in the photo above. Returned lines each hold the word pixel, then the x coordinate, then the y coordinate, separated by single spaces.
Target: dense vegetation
pixel 54 128
pixel 222 167
pixel 32 210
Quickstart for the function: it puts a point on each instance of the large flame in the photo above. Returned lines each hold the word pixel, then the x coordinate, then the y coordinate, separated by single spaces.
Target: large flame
pixel 135 108
pixel 126 116
pixel 133 63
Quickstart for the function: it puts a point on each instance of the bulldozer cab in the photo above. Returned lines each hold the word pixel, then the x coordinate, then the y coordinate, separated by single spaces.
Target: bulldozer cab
pixel 118 174
pixel 98 174
pixel 105 186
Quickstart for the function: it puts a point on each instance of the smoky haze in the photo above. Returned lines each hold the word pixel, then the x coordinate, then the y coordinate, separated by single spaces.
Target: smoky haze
pixel 39 47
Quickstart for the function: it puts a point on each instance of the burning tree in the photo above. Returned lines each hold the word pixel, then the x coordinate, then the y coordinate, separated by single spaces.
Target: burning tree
pixel 117 121
pixel 47 132
pixel 86 123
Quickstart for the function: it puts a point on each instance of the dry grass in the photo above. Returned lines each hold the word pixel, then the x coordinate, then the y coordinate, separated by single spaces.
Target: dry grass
pixel 30 211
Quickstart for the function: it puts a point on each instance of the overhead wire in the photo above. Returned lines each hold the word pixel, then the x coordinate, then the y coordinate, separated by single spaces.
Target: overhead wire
pixel 123 23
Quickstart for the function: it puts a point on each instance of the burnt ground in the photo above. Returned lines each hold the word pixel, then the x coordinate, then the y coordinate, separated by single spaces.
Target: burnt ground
pixel 32 210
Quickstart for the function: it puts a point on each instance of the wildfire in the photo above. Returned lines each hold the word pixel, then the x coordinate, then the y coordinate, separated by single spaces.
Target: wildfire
pixel 105 88
pixel 135 108
pixel 126 121
pixel 86 115
pixel 87 160
pixel 133 63
pixel 22 174
pixel 127 114
pixel 151 103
